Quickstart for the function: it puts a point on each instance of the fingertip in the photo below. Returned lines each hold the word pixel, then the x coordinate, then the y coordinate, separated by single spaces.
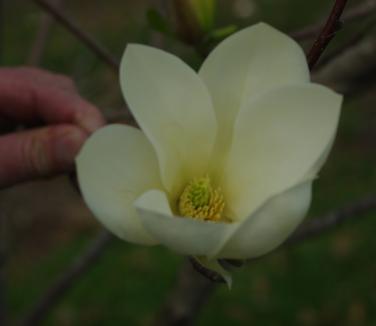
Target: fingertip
pixel 37 153
pixel 89 118
pixel 67 142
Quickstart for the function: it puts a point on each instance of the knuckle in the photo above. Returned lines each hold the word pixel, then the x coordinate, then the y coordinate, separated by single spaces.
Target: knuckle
pixel 35 153
pixel 28 69
pixel 66 82
pixel 47 78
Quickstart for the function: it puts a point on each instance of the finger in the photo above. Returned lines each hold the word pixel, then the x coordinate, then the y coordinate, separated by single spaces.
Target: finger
pixel 6 125
pixel 42 76
pixel 38 153
pixel 24 100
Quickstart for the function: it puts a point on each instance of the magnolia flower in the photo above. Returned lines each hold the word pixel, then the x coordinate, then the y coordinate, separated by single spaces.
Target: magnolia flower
pixel 224 162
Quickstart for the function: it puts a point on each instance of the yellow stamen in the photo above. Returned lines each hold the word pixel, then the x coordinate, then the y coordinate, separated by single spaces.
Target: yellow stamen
pixel 200 200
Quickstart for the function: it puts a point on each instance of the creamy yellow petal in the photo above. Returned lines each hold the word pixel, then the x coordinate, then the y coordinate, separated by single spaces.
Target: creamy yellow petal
pixel 115 166
pixel 278 140
pixel 181 234
pixel 270 225
pixel 174 109
pixel 247 64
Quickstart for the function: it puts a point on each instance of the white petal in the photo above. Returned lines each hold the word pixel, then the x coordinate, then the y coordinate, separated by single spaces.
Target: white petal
pixel 174 109
pixel 270 225
pixel 278 140
pixel 181 234
pixel 115 166
pixel 249 63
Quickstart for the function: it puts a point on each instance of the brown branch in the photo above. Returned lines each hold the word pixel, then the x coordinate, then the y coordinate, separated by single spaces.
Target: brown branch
pixel 185 301
pixel 348 44
pixel 327 33
pixel 191 291
pixel 353 14
pixel 77 31
pixel 354 71
pixel 41 37
pixel 101 52
pixel 317 226
pixel 68 278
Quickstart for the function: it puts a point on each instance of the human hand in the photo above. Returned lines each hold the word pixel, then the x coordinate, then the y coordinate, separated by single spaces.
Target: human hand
pixel 30 95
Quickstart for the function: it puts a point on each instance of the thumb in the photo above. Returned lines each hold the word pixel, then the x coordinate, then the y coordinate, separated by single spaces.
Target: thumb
pixel 38 153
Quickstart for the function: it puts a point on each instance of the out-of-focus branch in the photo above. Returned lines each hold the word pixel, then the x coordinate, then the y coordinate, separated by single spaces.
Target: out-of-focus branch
pixel 353 71
pixel 41 37
pixel 326 34
pixel 353 41
pixel 79 266
pixel 185 301
pixel 77 31
pixel 191 291
pixel 101 52
pixel 318 226
pixel 359 12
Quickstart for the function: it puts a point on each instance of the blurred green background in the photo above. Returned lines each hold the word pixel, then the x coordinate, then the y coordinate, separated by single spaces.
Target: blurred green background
pixel 329 280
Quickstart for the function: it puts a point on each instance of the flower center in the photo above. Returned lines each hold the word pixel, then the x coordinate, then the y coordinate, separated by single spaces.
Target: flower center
pixel 200 200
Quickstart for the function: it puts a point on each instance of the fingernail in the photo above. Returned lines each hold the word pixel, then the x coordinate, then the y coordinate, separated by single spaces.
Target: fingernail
pixel 67 147
pixel 90 122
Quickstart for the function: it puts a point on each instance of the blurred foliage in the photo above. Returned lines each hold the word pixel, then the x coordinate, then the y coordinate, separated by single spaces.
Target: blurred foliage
pixel 326 281
pixel 158 22
pixel 205 12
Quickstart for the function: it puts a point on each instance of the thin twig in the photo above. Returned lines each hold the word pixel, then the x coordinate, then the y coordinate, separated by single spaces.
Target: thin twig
pixel 327 33
pixel 353 14
pixel 77 31
pixel 80 265
pixel 348 44
pixel 190 293
pixel 318 226
pixel 187 298
pixel 353 72
pixel 101 52
pixel 191 290
pixel 45 23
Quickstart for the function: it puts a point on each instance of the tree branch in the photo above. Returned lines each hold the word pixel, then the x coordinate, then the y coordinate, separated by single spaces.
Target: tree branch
pixel 101 52
pixel 317 226
pixel 79 266
pixel 327 33
pixel 185 301
pixel 190 292
pixel 353 71
pixel 41 37
pixel 354 40
pixel 77 31
pixel 353 14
